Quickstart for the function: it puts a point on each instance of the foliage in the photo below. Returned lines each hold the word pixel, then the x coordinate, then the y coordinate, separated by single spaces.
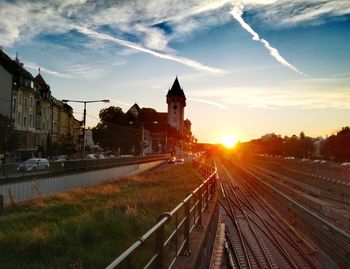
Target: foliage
pixel 65 145
pixel 300 146
pixel 9 139
pixel 337 147
pixel 116 131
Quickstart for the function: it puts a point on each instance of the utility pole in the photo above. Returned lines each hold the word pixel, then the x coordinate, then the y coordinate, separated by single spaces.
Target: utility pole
pixel 84 118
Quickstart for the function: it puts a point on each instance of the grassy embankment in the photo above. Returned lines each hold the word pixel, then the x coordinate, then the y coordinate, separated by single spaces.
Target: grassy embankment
pixel 88 228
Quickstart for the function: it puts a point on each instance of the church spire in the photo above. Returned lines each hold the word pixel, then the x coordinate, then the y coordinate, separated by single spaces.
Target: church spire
pixel 176 89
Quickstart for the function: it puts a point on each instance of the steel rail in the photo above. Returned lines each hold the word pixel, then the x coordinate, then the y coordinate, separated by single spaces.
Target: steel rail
pixel 254 233
pixel 283 235
pixel 340 234
pixel 242 239
pixel 271 235
pixel 269 227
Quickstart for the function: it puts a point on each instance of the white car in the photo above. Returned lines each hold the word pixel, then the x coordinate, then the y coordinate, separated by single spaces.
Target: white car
pixel 34 164
pixel 179 161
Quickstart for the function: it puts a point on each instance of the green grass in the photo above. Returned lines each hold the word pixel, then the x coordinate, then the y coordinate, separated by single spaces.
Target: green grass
pixel 88 228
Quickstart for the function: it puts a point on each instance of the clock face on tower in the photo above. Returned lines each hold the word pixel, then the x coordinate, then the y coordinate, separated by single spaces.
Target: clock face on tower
pixel 175 107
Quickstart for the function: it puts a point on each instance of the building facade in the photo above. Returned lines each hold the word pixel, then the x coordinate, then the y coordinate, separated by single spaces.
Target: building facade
pixel 176 101
pixel 39 118
pixel 165 131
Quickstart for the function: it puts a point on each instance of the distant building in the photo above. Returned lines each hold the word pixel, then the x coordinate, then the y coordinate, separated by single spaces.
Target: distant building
pixel 89 140
pixel 176 101
pixel 164 131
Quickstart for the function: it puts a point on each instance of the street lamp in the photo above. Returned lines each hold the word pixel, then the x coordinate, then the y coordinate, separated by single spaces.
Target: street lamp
pixel 84 120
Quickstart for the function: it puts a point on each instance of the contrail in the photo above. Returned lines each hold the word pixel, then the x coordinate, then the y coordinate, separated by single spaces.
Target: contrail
pixel 132 45
pixel 237 12
pixel 219 105
pixel 51 72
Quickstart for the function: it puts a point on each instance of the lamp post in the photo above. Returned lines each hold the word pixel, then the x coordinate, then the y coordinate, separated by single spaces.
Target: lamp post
pixel 84 119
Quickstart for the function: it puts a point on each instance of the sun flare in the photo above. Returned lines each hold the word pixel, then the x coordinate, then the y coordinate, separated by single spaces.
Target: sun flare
pixel 229 141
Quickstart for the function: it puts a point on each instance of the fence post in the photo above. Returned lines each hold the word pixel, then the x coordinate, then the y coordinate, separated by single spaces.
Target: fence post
pixel 1 204
pixel 200 205
pixel 160 247
pixel 186 251
pixel 159 263
pixel 207 195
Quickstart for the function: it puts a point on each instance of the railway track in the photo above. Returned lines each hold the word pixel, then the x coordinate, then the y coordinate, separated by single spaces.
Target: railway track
pixel 329 238
pixel 255 234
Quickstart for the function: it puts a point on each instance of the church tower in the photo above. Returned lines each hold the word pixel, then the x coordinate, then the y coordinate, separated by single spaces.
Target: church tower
pixel 176 101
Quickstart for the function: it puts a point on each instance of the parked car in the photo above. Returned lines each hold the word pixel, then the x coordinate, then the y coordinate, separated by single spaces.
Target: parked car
pixel 180 161
pixel 34 164
pixel 100 156
pixel 172 160
pixel 61 158
pixel 91 157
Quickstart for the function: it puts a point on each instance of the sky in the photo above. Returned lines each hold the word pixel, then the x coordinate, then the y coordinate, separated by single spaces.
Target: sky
pixel 247 67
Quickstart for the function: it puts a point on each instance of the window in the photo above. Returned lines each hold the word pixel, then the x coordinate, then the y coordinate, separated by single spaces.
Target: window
pixel 14 105
pixel 20 99
pixel 19 118
pixel 43 126
pixel 31 101
pixel 25 101
pixel 31 120
pixel 24 121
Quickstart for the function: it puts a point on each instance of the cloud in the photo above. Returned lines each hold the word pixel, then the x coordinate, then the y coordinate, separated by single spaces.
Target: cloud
pixel 287 13
pixel 46 70
pixel 237 12
pixel 87 71
pixel 297 95
pixel 137 25
pixel 135 19
pixel 122 103
pixel 208 102
pixel 132 45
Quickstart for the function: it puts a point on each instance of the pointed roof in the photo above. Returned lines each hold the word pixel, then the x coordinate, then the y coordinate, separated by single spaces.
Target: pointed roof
pixel 134 108
pixel 176 90
pixel 41 83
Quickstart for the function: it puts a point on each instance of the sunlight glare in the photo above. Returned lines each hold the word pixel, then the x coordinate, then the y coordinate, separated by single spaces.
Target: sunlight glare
pixel 229 141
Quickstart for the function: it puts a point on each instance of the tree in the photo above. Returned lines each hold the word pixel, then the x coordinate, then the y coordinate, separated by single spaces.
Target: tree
pixel 9 139
pixel 337 146
pixel 114 131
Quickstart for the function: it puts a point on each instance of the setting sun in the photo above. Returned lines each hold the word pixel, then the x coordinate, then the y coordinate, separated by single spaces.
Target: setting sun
pixel 229 141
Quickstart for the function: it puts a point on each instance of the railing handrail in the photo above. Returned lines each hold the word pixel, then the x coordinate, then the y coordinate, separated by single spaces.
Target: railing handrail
pixel 166 217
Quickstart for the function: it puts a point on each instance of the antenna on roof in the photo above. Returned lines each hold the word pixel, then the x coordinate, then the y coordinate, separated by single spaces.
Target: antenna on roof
pixel 39 70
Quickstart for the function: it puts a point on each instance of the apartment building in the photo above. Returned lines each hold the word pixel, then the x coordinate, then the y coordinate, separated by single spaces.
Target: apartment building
pixel 38 117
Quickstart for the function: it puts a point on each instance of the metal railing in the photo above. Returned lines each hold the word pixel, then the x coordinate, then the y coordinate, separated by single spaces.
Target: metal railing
pixel 170 236
pixel 9 172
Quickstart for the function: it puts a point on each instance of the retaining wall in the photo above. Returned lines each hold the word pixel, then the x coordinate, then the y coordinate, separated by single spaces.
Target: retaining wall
pixel 25 190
